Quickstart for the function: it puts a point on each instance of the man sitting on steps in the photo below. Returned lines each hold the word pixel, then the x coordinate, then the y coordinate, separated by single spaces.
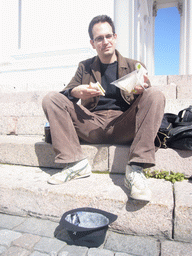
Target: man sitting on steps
pixel 115 118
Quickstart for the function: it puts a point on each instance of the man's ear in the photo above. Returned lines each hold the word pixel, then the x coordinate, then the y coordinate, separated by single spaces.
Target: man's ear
pixel 92 43
pixel 115 36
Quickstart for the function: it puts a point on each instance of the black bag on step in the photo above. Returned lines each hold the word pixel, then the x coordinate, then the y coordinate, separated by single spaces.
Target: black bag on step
pixel 176 130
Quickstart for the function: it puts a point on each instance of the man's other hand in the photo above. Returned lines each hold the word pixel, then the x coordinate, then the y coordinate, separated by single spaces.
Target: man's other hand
pixel 139 89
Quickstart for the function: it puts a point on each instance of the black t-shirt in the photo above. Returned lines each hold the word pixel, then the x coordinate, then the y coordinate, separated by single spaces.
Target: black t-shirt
pixel 112 99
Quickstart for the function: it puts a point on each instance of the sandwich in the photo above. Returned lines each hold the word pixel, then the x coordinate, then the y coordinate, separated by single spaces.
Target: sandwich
pixel 97 86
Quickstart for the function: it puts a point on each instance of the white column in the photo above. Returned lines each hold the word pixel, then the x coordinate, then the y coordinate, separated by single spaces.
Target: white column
pixel 185 65
pixel 150 41
pixel 1 33
pixel 189 37
pixel 9 29
pixel 125 26
pixel 135 33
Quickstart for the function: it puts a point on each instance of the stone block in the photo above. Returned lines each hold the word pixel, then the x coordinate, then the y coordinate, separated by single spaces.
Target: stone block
pixel 168 90
pixel 158 80
pixel 74 250
pixel 101 252
pixel 118 158
pixel 3 125
pixel 139 218
pixel 184 80
pixel 12 125
pixel 14 250
pixel 21 104
pixel 9 221
pixel 2 249
pixel 28 125
pixel 32 125
pixel 48 245
pixel 174 106
pixel 22 113
pixel 8 236
pixel 183 211
pixel 97 156
pixel 37 227
pixel 133 245
pixel 21 109
pixel 175 248
pixel 26 241
pixel 174 160
pixel 183 91
pixel 26 150
pixel 33 151
pixel 25 190
pixel 122 254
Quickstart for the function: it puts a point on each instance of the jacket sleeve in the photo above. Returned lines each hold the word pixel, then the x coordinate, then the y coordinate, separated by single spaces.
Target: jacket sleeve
pixel 75 81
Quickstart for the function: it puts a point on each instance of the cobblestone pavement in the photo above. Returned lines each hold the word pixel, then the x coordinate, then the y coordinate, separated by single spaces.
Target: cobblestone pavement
pixel 23 236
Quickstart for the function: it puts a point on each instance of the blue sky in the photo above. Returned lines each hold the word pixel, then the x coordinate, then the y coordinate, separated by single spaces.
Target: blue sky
pixel 167 37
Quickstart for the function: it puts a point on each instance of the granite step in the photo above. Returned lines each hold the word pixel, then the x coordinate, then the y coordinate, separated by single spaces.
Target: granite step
pixel 21 113
pixel 34 151
pixel 26 162
pixel 24 191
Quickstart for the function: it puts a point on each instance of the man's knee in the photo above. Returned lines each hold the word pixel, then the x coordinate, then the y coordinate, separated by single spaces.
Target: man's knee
pixel 49 97
pixel 155 95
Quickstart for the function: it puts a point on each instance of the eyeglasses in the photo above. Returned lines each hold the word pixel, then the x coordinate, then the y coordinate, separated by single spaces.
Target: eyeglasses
pixel 100 39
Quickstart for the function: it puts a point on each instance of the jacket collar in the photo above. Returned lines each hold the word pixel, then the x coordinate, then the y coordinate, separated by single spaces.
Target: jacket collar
pixel 122 67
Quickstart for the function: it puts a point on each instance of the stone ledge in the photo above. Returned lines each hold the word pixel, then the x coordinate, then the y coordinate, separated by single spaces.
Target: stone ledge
pixel 25 191
pixel 21 112
pixel 183 211
pixel 33 151
pixel 184 80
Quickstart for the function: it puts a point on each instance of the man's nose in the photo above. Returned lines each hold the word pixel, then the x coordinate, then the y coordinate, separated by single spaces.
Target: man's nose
pixel 105 40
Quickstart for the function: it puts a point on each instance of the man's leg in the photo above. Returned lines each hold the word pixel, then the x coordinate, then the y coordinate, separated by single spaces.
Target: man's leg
pixel 67 122
pixel 65 141
pixel 140 123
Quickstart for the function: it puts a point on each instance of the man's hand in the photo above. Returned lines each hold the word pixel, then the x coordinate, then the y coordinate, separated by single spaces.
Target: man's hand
pixel 84 92
pixel 139 89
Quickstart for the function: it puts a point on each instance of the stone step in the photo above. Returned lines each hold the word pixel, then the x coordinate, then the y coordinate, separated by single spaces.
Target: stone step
pixel 21 113
pixel 33 151
pixel 25 191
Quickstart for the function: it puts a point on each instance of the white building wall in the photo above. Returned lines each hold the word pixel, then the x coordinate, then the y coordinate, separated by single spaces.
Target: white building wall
pixel 40 49
pixel 42 41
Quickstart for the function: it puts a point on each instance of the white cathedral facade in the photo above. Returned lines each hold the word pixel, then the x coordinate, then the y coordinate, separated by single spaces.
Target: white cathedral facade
pixel 42 41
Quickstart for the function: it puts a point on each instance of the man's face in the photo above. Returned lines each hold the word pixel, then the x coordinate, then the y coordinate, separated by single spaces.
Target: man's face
pixel 104 41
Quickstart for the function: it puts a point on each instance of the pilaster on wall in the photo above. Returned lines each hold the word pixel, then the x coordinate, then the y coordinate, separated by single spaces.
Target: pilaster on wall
pixel 134 24
pixel 124 24
pixel 185 66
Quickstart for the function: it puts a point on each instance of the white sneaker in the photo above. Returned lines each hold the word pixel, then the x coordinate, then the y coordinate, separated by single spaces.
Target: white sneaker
pixel 136 183
pixel 75 170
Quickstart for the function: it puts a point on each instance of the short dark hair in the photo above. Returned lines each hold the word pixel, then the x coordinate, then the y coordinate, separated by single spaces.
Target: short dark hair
pixel 98 19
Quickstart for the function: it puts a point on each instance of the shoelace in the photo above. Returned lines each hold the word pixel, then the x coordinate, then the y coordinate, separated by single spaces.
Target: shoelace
pixel 138 179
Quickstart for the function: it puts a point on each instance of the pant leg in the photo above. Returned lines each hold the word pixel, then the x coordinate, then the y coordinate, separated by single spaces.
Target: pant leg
pixel 69 122
pixel 65 141
pixel 140 124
